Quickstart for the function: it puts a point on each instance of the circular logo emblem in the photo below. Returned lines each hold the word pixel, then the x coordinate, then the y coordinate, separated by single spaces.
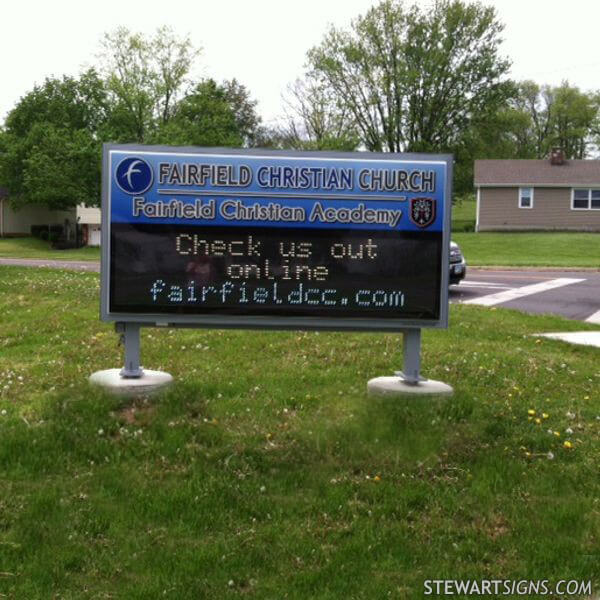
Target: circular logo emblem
pixel 134 175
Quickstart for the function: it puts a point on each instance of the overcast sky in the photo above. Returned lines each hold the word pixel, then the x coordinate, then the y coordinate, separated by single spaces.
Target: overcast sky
pixel 263 43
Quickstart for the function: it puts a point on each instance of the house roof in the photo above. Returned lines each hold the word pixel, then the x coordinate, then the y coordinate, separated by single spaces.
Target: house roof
pixel 536 172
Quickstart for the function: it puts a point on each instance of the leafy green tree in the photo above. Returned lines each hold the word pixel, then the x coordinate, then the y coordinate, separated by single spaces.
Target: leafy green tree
pixel 154 100
pixel 145 77
pixel 62 168
pixel 203 118
pixel 533 121
pixel 51 145
pixel 414 78
pixel 573 118
pixel 76 103
pixel 247 120
pixel 212 114
pixel 546 116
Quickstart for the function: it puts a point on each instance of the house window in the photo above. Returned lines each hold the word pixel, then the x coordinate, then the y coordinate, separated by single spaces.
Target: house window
pixel 585 199
pixel 525 197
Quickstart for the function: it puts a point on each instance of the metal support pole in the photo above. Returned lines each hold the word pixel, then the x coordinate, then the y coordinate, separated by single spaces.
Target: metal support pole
pixel 130 334
pixel 411 346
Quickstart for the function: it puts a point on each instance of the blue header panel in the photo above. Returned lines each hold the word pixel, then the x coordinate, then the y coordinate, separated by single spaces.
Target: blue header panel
pixel 237 190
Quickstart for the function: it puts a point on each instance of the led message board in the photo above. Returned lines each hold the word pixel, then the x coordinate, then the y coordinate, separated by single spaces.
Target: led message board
pixel 241 238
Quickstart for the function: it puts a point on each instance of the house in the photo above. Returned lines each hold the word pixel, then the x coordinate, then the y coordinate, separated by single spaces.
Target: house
pixel 18 222
pixel 89 219
pixel 553 194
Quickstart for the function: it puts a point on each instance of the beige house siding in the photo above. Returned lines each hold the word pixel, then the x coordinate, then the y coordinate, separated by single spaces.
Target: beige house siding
pixel 19 222
pixel 88 214
pixel 499 209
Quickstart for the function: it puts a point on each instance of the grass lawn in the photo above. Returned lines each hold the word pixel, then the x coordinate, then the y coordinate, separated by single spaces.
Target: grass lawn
pixel 30 247
pixel 531 249
pixel 266 472
pixel 536 249
pixel 463 213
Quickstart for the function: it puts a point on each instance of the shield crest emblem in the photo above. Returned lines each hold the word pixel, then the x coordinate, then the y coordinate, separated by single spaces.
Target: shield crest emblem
pixel 422 211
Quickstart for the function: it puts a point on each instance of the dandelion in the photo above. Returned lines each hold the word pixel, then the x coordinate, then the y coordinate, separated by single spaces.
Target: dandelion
pixel 570 415
pixel 531 412
pixel 567 444
pixel 557 433
pixel 538 421
pixel 550 455
pixel 568 430
pixel 377 478
pixel 545 415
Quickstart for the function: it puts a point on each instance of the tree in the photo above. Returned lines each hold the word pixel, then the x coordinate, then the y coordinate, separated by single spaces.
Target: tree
pixel 62 168
pixel 574 115
pixel 315 120
pixel 212 114
pixel 414 79
pixel 51 145
pixel 560 116
pixel 203 118
pixel 146 78
pixel 533 121
pixel 247 120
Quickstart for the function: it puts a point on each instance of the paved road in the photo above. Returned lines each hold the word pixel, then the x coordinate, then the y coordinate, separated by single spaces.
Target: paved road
pixel 55 264
pixel 571 294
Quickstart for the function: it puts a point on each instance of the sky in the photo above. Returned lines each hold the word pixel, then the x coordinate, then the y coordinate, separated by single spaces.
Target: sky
pixel 263 43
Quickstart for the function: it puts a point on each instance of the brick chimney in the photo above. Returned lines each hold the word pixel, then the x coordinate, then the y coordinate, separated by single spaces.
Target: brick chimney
pixel 557 156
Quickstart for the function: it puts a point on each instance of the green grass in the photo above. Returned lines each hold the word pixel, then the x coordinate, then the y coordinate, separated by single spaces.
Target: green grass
pixel 531 249
pixel 463 213
pixel 535 249
pixel 266 471
pixel 30 247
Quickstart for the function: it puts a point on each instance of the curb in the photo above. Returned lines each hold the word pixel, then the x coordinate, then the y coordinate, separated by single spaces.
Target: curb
pixel 531 268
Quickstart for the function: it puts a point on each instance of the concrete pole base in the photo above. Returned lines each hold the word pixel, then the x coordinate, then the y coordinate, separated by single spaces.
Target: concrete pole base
pixel 150 382
pixel 396 386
